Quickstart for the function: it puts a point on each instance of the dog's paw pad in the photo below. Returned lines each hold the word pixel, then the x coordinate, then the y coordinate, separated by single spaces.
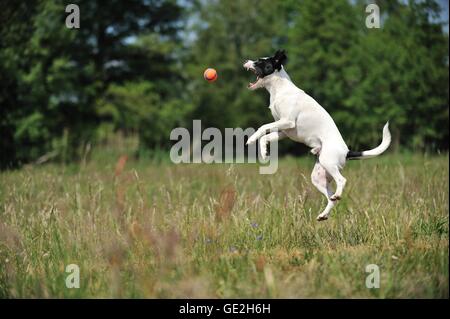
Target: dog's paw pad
pixel 335 197
pixel 321 218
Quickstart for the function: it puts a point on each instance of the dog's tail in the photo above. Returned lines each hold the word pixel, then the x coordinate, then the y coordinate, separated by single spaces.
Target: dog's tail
pixel 377 150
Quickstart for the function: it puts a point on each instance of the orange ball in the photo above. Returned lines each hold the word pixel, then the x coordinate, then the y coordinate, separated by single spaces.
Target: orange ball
pixel 210 75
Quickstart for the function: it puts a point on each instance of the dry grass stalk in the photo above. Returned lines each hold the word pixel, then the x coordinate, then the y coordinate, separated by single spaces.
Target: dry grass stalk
pixel 120 165
pixel 226 203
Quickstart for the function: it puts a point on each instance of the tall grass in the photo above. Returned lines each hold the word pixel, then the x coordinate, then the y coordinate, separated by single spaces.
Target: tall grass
pixel 148 229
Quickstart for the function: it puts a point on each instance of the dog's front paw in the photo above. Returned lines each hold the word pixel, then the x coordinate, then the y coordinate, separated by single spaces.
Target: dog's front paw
pixel 263 147
pixel 264 153
pixel 251 140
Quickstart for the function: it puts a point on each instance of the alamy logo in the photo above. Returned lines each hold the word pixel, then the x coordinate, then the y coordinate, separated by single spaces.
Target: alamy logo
pixel 73 279
pixel 230 149
pixel 373 19
pixel 373 279
pixel 73 19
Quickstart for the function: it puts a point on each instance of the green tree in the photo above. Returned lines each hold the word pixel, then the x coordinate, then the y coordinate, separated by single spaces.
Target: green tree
pixel 14 35
pixel 57 75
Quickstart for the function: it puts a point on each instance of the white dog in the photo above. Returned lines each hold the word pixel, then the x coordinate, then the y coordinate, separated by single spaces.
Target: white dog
pixel 299 117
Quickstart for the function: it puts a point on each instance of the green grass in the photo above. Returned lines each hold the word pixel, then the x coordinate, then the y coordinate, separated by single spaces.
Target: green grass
pixel 157 230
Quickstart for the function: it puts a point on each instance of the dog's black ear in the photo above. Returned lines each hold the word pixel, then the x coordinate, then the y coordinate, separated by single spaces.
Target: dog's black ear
pixel 279 59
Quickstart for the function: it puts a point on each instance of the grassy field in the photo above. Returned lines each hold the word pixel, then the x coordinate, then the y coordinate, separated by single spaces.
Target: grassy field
pixel 143 229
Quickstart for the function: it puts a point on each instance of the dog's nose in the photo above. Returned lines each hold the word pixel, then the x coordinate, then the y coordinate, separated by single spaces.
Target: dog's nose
pixel 247 64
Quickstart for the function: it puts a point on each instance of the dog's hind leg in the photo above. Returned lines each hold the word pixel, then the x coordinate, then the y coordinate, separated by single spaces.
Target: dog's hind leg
pixel 321 180
pixel 332 169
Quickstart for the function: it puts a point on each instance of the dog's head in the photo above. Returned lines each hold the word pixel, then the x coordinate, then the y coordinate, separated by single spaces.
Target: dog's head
pixel 264 67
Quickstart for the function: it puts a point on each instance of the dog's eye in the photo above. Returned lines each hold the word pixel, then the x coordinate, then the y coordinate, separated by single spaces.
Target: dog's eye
pixel 268 68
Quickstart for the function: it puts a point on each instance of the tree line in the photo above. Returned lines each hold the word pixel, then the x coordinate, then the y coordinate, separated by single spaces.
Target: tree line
pixel 136 67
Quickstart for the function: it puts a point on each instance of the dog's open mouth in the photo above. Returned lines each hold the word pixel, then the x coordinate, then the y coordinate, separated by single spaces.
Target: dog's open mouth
pixel 252 84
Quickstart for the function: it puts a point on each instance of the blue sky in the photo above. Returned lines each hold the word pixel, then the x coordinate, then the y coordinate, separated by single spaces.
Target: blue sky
pixel 444 13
